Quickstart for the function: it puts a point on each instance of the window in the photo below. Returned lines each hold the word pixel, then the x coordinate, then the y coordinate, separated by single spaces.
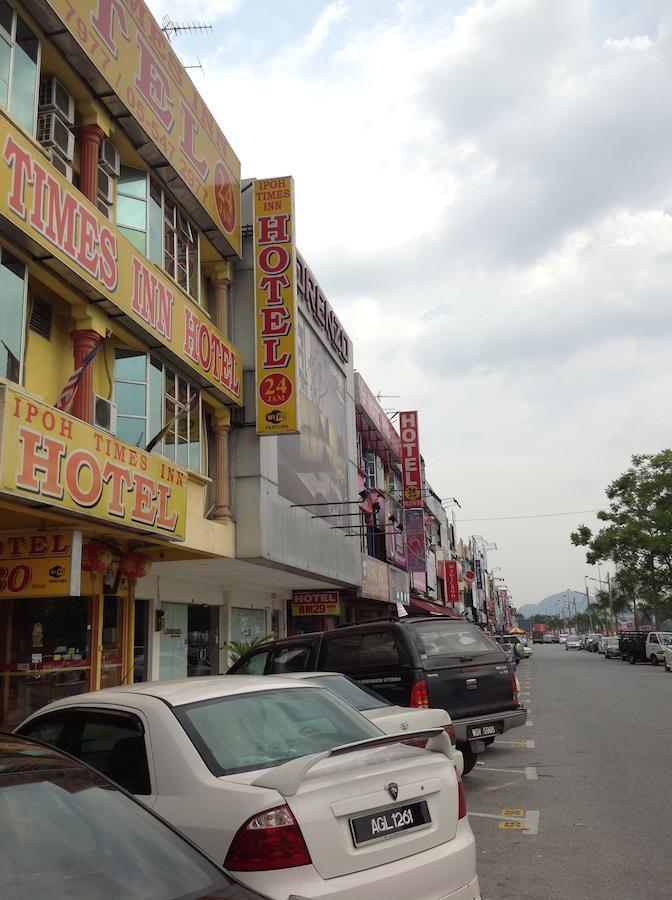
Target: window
pixel 19 65
pixel 450 639
pixel 131 206
pixel 361 651
pixel 156 226
pixel 114 745
pixel 653 639
pixel 266 728
pixel 255 665
pixel 290 659
pixel 149 395
pixel 12 313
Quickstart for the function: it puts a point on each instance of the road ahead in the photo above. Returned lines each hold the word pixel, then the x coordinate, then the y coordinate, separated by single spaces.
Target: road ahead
pixel 578 804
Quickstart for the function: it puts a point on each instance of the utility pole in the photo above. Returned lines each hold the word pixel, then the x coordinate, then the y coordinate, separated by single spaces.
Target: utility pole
pixel 611 603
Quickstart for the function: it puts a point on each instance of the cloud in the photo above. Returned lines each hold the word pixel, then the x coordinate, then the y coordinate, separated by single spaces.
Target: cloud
pixel 486 198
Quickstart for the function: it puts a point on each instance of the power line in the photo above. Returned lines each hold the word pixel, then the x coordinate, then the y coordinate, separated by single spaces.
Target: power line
pixel 574 512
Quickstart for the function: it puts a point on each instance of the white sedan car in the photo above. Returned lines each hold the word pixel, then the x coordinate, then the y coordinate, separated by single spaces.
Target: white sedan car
pixel 282 782
pixel 389 718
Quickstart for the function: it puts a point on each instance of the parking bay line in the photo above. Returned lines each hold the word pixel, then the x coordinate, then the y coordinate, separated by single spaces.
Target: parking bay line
pixel 529 772
pixel 519 744
pixel 529 824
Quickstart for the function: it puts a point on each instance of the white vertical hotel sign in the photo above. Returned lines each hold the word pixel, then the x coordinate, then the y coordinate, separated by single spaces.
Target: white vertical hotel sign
pixel 275 306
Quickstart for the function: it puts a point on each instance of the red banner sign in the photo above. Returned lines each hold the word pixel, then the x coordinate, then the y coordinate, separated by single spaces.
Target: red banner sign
pixel 410 460
pixel 415 541
pixel 451 580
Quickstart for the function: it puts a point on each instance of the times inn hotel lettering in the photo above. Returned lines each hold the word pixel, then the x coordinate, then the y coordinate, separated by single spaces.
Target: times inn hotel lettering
pixel 119 225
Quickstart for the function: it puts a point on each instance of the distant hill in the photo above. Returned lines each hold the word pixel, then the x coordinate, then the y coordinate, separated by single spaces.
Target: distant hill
pixel 553 605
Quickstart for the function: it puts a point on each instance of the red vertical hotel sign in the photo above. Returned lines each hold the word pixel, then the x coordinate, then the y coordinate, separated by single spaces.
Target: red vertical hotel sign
pixel 410 456
pixel 452 582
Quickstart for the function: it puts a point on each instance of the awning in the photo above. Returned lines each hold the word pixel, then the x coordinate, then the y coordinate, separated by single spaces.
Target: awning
pixel 434 609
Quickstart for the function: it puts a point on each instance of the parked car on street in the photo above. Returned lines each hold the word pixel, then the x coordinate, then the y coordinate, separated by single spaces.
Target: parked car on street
pixel 562 639
pixel 68 833
pixel 548 638
pixel 591 642
pixel 656 641
pixel 284 783
pixel 573 642
pixel 389 718
pixel 520 640
pixel 611 650
pixel 632 645
pixel 436 662
pixel 509 648
pixel 667 657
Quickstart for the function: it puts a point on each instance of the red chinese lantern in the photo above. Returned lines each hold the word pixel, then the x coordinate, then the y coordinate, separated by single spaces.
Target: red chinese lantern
pixel 134 564
pixel 96 556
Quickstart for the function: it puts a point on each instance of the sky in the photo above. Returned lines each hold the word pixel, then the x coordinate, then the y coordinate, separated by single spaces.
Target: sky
pixel 484 191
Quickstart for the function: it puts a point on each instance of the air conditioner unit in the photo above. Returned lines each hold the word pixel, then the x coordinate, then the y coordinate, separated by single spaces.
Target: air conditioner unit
pixel 60 165
pixel 104 414
pixel 53 133
pixel 53 96
pixel 105 187
pixel 108 158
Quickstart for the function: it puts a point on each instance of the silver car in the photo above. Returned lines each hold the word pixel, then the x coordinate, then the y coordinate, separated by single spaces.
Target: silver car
pixel 573 642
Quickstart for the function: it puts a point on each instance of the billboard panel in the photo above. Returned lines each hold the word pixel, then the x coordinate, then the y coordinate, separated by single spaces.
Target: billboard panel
pixel 125 44
pixel 275 307
pixel 411 469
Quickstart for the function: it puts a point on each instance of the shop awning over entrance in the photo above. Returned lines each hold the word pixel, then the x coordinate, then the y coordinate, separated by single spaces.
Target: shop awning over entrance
pixel 434 609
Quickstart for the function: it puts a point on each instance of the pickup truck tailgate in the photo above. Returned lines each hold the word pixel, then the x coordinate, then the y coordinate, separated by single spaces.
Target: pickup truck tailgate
pixel 466 672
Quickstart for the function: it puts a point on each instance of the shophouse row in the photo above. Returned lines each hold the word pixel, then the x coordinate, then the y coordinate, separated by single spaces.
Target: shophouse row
pixel 145 525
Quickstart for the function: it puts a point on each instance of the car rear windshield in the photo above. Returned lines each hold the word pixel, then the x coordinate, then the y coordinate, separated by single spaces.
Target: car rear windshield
pixel 265 728
pixel 450 639
pixel 356 695
pixel 69 834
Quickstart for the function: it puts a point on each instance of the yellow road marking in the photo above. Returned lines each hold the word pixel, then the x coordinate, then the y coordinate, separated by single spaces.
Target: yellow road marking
pixel 513 813
pixel 512 826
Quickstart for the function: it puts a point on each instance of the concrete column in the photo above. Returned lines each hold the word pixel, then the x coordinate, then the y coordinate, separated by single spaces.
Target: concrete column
pixel 90 137
pixel 220 275
pixel 83 341
pixel 221 429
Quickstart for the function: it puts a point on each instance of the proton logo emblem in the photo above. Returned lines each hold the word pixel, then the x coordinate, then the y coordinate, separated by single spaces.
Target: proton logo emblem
pixel 392 789
pixel 404 726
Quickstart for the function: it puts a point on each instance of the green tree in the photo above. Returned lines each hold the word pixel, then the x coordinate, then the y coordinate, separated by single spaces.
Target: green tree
pixel 637 535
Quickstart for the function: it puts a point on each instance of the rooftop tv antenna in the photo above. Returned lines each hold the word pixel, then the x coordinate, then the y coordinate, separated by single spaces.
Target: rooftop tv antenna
pixel 172 29
pixel 390 413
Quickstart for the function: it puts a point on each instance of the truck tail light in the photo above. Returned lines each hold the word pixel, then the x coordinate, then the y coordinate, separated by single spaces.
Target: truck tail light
pixel 419 696
pixel 269 840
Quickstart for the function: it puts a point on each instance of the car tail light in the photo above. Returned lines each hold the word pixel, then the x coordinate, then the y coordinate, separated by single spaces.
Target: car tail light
pixel 461 799
pixel 269 840
pixel 450 731
pixel 514 685
pixel 419 695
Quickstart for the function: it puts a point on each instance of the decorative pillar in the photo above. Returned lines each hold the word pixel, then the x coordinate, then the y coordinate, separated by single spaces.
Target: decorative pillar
pixel 221 429
pixel 83 341
pixel 90 137
pixel 221 275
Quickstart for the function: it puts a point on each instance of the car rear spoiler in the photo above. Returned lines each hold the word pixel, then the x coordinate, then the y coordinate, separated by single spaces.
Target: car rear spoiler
pixel 288 777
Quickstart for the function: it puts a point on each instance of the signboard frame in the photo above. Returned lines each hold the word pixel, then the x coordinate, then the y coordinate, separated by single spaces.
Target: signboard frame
pixel 44 563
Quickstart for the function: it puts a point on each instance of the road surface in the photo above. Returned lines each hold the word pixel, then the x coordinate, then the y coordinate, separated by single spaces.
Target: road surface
pixel 577 805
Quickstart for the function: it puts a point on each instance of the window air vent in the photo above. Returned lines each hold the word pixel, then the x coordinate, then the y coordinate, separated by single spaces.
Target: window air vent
pixel 41 317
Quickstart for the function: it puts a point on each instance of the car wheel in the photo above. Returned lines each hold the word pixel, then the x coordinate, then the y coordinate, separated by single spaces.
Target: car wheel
pixel 632 659
pixel 488 741
pixel 469 758
pixel 667 668
pixel 653 659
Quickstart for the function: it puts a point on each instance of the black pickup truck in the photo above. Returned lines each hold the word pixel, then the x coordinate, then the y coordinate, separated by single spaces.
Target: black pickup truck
pixel 435 662
pixel 632 645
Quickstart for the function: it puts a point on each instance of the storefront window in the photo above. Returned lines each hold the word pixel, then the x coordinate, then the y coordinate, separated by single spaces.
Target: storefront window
pixel 189 640
pixel 12 313
pixel 44 653
pixel 19 63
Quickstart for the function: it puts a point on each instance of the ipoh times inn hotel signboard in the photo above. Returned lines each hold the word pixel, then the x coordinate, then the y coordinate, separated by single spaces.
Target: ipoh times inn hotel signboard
pixel 277 390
